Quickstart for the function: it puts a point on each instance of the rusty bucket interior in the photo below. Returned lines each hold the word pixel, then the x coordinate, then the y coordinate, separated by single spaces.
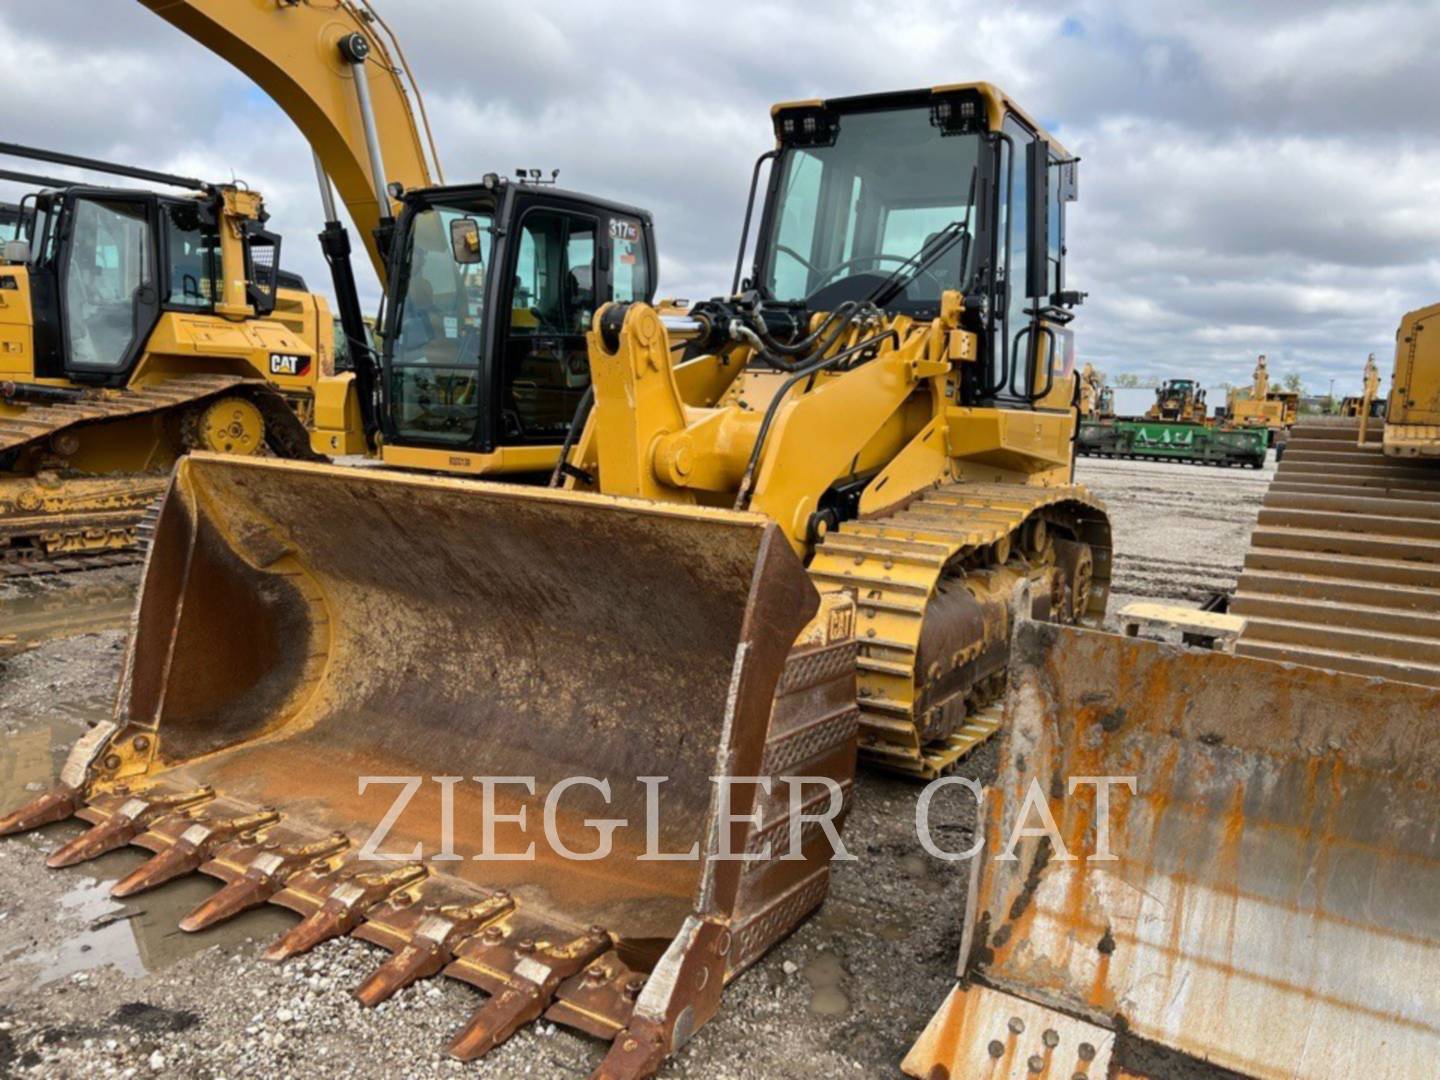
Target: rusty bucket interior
pixel 301 628
pixel 1271 907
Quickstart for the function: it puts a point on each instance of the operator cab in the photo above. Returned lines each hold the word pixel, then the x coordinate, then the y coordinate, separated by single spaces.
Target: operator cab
pixel 896 198
pixel 494 287
pixel 106 263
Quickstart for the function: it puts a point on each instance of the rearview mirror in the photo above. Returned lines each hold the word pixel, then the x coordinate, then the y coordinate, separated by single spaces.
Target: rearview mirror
pixel 16 251
pixel 465 240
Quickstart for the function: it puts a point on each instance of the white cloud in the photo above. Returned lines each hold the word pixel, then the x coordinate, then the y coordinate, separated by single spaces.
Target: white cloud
pixel 1256 177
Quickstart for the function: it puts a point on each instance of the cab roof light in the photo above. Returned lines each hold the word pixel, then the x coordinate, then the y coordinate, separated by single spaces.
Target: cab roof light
pixel 807 126
pixel 960 112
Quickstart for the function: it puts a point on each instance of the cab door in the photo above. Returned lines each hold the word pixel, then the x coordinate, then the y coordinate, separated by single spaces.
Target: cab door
pixel 554 286
pixel 108 291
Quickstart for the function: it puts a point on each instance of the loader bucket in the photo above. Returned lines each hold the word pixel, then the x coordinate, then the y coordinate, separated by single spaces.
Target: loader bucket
pixel 302 628
pixel 1271 906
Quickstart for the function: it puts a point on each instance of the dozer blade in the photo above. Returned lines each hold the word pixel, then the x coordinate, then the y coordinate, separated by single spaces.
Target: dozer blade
pixel 344 687
pixel 1270 909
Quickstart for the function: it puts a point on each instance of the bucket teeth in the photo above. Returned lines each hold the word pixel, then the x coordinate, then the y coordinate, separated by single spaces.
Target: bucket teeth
pixel 195 846
pixel 432 947
pixel 266 875
pixel 53 806
pixel 250 891
pixel 342 910
pixel 129 821
pixel 499 1018
pixel 636 1054
pixel 174 861
pixel 418 960
pixel 528 992
pixel 330 921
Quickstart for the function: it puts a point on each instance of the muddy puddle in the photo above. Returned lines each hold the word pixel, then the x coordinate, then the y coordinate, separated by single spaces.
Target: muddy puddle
pixel 81 928
pixel 136 936
pixel 33 611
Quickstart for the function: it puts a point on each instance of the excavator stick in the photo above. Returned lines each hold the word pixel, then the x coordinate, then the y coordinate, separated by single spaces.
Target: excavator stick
pixel 413 709
pixel 1269 907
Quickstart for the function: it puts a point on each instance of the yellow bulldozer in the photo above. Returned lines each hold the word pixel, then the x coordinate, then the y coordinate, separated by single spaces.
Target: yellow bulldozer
pixel 1205 865
pixel 136 326
pixel 1343 571
pixel 801 516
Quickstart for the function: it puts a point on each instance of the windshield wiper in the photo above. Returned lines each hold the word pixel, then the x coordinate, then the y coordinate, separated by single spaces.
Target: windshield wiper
pixel 952 234
pixel 902 276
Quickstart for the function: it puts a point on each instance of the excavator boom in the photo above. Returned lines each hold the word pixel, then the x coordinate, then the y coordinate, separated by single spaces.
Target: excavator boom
pixel 306 56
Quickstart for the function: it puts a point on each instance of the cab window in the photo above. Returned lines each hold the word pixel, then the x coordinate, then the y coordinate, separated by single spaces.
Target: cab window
pixel 545 368
pixel 629 267
pixel 108 267
pixel 193 253
pixel 1015 217
pixel 434 372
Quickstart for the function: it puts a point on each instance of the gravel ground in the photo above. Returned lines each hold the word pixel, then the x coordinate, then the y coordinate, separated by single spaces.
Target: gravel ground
pixel 95 987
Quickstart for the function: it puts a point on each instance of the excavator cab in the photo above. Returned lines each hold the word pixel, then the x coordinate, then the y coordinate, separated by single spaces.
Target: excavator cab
pixel 493 288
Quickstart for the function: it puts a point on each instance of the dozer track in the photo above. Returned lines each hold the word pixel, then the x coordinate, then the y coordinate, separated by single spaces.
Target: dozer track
pixel 1343 570
pixel 54 519
pixel 523 633
pixel 933 583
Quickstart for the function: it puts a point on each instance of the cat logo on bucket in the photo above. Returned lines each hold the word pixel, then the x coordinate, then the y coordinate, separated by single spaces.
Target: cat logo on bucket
pixel 288 364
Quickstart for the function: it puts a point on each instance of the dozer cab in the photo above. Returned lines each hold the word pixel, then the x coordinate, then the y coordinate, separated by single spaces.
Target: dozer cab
pixel 856 469
pixel 136 326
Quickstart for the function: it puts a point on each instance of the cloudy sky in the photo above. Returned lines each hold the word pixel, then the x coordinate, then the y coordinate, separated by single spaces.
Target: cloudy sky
pixel 1258 177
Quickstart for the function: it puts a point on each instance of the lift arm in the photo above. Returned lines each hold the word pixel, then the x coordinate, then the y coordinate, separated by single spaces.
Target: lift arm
pixel 307 54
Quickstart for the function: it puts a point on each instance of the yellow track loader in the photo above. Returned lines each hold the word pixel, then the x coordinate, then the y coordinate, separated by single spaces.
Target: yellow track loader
pixel 135 327
pixel 1343 571
pixel 855 469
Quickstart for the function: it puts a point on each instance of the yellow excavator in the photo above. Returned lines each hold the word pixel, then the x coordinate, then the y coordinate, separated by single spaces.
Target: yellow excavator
pixel 450 398
pixel 1343 571
pixel 855 469
pixel 136 326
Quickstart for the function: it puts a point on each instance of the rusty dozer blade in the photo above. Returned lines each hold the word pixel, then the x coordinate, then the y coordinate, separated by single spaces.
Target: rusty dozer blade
pixel 330 645
pixel 1270 908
